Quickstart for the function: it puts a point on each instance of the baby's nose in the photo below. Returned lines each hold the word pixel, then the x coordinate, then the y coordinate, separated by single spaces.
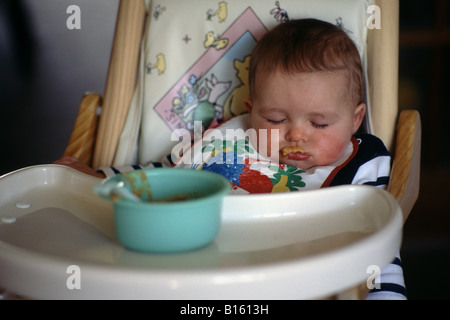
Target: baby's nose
pixel 296 134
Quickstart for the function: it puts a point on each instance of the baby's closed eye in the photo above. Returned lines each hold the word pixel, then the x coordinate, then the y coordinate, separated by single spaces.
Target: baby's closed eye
pixel 276 121
pixel 319 125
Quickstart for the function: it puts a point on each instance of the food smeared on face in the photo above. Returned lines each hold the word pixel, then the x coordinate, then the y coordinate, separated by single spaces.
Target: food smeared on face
pixel 294 153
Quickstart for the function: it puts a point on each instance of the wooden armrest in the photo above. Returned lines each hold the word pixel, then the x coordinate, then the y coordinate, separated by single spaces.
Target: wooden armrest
pixel 81 142
pixel 405 175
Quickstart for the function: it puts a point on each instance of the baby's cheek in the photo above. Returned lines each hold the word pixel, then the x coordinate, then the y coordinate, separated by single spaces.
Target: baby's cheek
pixel 331 152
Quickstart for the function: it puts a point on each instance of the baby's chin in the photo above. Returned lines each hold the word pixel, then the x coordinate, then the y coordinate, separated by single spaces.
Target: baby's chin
pixel 299 164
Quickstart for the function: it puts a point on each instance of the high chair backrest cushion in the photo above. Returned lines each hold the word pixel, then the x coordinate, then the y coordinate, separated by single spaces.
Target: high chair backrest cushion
pixel 194 63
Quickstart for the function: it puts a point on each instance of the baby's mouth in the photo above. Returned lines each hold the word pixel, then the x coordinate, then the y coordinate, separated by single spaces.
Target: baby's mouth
pixel 294 153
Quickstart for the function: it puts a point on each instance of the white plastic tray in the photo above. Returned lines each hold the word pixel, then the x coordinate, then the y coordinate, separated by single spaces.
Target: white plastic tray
pixel 298 245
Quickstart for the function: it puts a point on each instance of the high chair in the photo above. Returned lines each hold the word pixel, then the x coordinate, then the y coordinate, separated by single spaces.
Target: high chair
pixel 401 133
pixel 139 110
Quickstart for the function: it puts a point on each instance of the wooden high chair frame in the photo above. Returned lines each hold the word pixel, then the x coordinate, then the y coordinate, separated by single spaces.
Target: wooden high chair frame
pixel 94 139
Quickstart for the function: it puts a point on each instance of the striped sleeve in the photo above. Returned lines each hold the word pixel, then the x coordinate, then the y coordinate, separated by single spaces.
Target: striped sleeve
pixel 371 164
pixel 374 172
pixel 391 283
pixel 112 171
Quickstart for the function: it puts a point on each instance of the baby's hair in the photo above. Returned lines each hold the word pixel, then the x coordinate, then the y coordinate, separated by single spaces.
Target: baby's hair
pixel 309 45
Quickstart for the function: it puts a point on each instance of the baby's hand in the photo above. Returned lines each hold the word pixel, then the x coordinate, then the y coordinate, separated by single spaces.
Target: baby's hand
pixel 76 164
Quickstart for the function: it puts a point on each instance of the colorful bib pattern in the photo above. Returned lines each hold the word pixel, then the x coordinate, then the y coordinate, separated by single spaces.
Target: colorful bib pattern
pixel 233 155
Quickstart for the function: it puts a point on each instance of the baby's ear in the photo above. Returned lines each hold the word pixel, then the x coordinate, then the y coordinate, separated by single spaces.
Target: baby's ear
pixel 358 116
pixel 248 104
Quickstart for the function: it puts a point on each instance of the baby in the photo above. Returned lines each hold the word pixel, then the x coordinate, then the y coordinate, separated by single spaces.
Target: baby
pixel 306 80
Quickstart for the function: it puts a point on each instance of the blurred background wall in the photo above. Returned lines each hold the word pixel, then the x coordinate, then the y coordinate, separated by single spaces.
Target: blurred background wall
pixel 424 82
pixel 46 68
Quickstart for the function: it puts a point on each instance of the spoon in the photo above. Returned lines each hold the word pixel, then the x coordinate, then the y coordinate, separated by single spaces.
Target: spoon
pixel 109 188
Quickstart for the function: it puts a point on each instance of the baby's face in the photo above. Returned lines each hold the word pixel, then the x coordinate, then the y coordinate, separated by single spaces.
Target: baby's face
pixel 312 113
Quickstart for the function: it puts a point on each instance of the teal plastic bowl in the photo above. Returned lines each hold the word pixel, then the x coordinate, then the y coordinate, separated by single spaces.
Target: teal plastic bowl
pixel 180 209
